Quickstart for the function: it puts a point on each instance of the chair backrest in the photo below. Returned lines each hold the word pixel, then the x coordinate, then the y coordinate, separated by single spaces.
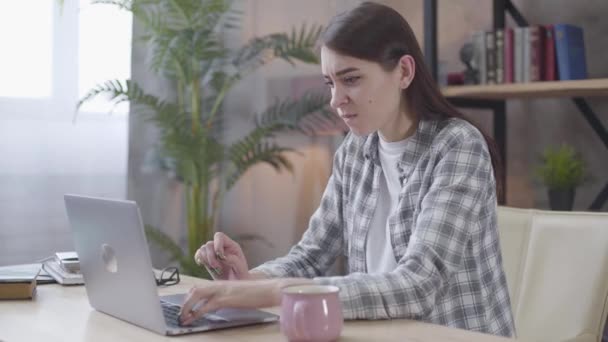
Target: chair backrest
pixel 556 264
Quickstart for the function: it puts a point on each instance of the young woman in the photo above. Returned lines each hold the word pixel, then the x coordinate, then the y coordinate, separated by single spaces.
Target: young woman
pixel 411 201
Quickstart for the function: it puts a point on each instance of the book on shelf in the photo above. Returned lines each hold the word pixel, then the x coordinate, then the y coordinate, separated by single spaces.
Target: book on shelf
pixel 499 36
pixel 62 275
pixel 536 43
pixel 525 55
pixel 549 65
pixel 508 55
pixel 19 281
pixel 518 54
pixel 490 57
pixel 570 51
pixel 529 54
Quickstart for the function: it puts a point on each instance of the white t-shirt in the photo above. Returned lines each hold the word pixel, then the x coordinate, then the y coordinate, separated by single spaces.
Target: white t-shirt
pixel 379 254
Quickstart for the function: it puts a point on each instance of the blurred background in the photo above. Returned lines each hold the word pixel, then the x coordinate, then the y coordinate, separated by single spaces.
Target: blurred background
pixel 54 52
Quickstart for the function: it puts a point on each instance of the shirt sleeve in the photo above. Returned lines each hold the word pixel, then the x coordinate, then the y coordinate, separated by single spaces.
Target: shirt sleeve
pixel 448 214
pixel 323 240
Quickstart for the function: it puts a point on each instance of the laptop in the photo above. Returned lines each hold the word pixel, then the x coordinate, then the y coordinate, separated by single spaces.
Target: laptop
pixel 115 262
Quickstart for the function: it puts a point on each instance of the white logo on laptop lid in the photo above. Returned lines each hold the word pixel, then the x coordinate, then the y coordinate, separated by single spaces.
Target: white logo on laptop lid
pixel 109 258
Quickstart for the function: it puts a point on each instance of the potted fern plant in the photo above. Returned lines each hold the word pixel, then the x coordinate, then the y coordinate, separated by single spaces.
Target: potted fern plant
pixel 188 50
pixel 562 170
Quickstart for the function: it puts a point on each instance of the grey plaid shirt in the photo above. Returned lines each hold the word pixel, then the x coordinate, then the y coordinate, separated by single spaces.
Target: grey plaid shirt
pixel 444 233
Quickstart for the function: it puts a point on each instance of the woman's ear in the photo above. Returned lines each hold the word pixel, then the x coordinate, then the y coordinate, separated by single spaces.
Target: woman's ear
pixel 407 70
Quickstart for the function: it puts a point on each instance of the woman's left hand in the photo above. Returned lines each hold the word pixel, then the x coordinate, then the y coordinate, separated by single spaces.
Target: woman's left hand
pixel 233 294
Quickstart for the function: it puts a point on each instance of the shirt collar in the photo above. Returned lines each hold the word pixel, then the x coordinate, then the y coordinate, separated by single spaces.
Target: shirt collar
pixel 417 144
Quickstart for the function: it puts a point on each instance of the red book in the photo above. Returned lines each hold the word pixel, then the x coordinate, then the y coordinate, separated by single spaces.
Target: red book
pixel 537 38
pixel 549 64
pixel 509 62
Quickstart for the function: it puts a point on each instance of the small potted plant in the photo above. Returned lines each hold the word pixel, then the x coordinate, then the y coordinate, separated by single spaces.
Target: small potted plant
pixel 562 170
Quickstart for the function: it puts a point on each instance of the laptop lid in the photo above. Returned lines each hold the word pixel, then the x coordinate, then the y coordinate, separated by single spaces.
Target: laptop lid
pixel 115 260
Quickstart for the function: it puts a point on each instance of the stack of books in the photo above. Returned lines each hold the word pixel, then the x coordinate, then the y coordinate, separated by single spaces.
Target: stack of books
pixel 18 282
pixel 530 54
pixel 64 268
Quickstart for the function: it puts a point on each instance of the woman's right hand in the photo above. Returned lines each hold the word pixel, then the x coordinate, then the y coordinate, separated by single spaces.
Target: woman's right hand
pixel 223 258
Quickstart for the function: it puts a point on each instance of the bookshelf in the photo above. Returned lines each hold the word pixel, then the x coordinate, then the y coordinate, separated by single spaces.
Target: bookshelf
pixel 578 88
pixel 496 96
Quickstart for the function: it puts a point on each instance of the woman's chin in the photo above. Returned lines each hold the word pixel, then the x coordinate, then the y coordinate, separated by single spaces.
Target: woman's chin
pixel 360 131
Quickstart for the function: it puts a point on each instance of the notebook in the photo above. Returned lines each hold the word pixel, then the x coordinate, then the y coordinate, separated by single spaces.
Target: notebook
pixel 60 274
pixel 19 281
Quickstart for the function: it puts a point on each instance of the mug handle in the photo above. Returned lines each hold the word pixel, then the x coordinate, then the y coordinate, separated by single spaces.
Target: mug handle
pixel 299 318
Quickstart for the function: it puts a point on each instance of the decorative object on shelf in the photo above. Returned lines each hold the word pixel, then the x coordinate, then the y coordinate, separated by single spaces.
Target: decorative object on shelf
pixel 456 78
pixel 467 53
pixel 188 49
pixel 562 170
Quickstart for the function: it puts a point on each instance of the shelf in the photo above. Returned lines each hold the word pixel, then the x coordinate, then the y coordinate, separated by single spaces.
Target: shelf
pixel 578 88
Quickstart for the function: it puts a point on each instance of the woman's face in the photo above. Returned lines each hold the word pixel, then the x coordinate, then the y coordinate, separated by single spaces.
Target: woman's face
pixel 366 97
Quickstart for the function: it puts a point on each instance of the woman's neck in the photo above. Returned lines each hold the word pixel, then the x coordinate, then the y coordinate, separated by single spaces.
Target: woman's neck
pixel 400 128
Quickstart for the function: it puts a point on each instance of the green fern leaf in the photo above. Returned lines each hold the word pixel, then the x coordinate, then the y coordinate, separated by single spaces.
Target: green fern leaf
pixel 175 252
pixel 245 154
pixel 165 242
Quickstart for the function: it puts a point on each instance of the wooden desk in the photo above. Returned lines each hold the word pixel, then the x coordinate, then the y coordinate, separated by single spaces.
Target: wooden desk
pixel 63 314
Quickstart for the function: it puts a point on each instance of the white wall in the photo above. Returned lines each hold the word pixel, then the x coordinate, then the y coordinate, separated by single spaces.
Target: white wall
pixel 42 160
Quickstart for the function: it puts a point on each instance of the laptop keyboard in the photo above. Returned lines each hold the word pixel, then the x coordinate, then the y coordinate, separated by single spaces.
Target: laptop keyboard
pixel 171 313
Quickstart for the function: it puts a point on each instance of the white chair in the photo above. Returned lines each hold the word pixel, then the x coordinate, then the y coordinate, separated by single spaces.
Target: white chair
pixel 556 264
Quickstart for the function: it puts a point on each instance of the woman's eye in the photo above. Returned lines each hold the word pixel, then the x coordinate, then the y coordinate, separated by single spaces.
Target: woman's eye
pixel 350 80
pixel 329 84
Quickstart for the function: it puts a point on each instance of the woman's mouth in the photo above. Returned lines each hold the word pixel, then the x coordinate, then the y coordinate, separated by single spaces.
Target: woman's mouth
pixel 348 117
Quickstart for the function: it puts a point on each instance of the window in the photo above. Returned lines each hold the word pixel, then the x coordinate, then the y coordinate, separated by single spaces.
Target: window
pixel 26 35
pixel 104 51
pixel 52 55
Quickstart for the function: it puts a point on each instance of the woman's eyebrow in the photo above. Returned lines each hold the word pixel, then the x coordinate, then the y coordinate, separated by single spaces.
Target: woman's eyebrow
pixel 343 71
pixel 346 71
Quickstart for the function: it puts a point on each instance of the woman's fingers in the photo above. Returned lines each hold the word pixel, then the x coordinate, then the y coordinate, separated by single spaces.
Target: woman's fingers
pixel 189 301
pixel 232 294
pixel 233 255
pixel 237 265
pixel 198 312
pixel 196 304
pixel 199 257
pixel 194 296
pixel 203 256
pixel 225 245
pixel 218 245
pixel 223 258
pixel 211 260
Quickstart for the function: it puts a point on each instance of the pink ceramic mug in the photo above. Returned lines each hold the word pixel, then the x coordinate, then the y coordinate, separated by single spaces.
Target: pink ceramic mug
pixel 311 313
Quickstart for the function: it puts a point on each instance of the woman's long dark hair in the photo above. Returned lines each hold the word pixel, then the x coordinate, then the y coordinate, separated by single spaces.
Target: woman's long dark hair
pixel 378 33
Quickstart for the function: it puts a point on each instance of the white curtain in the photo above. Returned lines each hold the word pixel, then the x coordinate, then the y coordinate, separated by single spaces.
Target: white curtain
pixel 51 56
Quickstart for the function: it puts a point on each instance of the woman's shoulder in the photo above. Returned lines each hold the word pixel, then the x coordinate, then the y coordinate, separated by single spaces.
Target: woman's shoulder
pixel 353 144
pixel 457 129
pixel 455 132
pixel 438 135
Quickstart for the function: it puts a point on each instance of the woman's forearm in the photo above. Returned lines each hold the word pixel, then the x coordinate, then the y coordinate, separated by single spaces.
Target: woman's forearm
pixel 256 275
pixel 254 293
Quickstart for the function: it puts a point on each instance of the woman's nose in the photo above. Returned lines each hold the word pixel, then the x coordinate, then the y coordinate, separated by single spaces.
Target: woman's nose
pixel 338 98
